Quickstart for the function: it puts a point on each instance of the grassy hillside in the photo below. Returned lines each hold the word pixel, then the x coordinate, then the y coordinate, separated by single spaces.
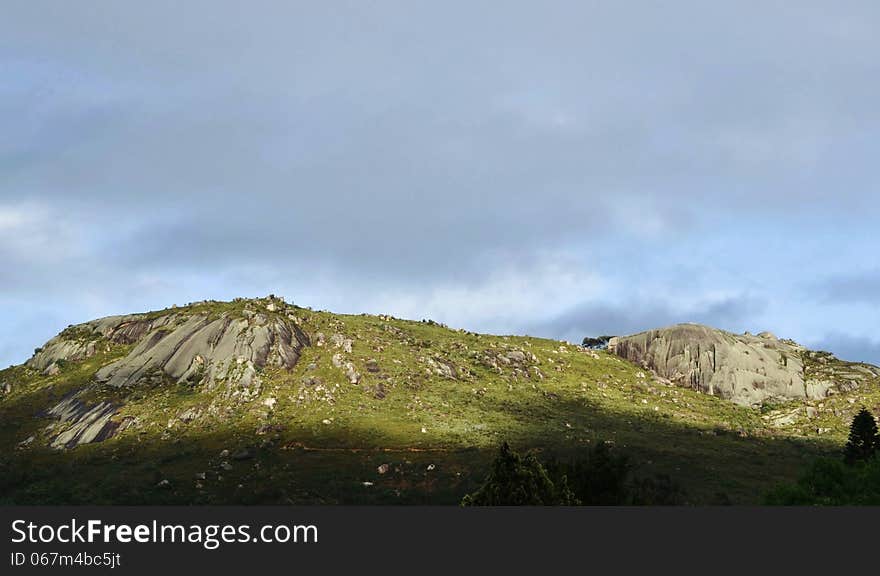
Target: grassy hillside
pixel 429 409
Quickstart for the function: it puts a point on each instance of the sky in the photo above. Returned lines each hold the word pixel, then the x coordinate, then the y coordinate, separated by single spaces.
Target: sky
pixel 558 169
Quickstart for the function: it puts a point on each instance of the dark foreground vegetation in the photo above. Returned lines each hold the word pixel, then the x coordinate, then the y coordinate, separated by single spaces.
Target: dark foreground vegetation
pixel 852 480
pixel 603 477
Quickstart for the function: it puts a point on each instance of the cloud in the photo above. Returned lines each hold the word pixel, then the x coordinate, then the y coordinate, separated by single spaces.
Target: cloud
pixel 852 348
pixel 35 241
pixel 507 168
pixel 849 288
pixel 734 313
pixel 512 295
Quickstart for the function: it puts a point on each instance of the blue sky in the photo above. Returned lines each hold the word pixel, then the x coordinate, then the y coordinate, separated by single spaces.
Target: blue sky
pixel 558 168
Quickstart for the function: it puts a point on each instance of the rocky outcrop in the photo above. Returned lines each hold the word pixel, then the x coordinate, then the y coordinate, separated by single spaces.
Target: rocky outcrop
pixel 84 340
pixel 228 349
pixel 197 348
pixel 202 350
pixel 46 358
pixel 86 423
pixel 746 369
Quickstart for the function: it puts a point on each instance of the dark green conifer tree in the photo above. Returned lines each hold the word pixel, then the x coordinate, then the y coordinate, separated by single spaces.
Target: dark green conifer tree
pixel 863 440
pixel 519 481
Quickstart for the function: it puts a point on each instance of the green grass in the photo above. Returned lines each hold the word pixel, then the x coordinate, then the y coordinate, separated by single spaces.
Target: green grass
pixel 321 443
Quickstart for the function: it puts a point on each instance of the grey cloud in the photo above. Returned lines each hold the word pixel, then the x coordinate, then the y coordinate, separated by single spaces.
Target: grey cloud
pixel 852 348
pixel 852 288
pixel 734 314
pixel 235 109
pixel 397 145
pixel 22 335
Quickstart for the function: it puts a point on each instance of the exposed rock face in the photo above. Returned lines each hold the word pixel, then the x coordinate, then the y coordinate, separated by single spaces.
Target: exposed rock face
pixel 87 423
pixel 59 349
pixel 202 350
pixel 196 349
pixel 744 368
pixel 82 341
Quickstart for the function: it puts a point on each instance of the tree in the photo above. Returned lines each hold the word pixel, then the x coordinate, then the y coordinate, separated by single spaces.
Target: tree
pixel 519 481
pixel 600 479
pixel 599 343
pixel 863 440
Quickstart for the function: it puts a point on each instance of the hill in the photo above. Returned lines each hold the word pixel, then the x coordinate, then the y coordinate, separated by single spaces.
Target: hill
pixel 748 369
pixel 261 401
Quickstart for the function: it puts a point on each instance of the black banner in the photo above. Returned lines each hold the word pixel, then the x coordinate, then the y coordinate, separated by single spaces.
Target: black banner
pixel 142 540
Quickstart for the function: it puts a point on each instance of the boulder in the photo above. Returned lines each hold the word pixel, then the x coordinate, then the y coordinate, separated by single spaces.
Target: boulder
pixel 340 341
pixel 353 375
pixel 243 454
pixel 744 368
pixel 52 369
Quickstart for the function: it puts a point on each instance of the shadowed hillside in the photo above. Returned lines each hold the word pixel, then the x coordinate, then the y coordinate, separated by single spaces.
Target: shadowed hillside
pixel 260 401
